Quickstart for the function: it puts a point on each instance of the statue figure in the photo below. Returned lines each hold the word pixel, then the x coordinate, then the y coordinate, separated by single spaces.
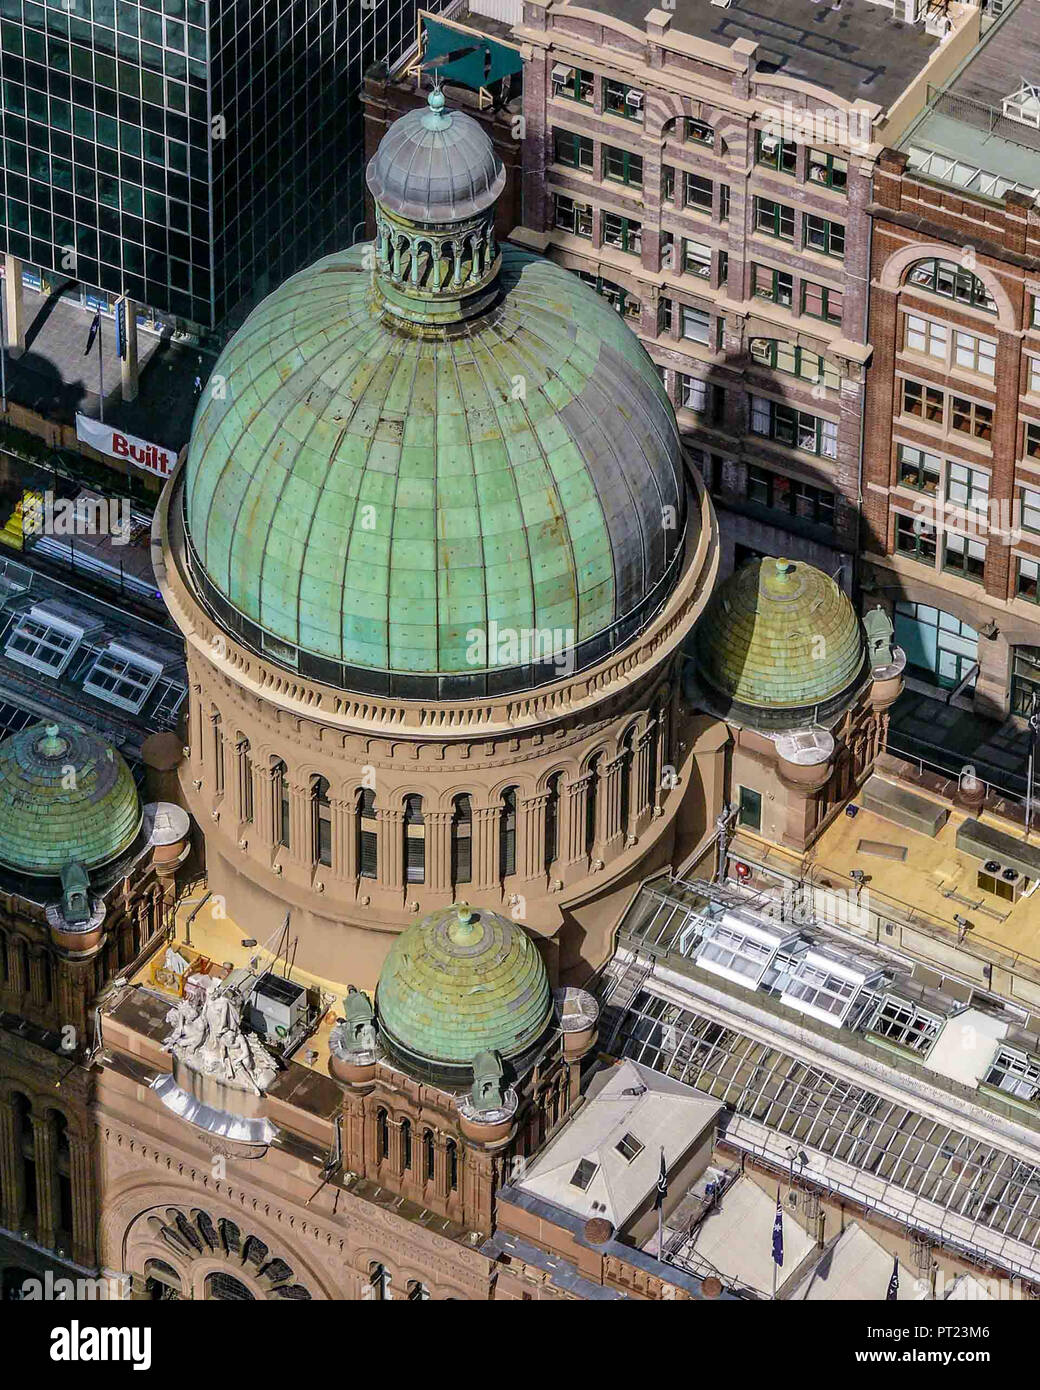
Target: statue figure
pixel 188 1024
pixel 360 1018
pixel 209 1034
pixel 488 1091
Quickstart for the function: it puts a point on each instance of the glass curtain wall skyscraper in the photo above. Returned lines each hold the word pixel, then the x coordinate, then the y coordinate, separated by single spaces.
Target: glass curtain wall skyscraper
pixel 186 152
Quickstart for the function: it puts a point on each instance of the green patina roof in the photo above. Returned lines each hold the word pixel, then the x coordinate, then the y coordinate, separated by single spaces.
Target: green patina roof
pixel 779 634
pixel 65 795
pixel 460 982
pixel 371 493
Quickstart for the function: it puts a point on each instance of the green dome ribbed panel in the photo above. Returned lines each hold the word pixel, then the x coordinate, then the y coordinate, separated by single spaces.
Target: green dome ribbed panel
pixel 779 634
pixel 447 1000
pixel 370 494
pixel 66 796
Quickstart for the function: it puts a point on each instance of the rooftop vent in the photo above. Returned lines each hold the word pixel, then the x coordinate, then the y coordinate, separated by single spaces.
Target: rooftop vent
pixel 1023 106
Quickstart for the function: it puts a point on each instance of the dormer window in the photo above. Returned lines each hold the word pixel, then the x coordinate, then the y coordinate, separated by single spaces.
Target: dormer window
pixel 584 1173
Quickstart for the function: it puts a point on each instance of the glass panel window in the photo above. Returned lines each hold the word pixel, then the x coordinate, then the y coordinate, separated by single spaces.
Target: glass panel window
pixel 915 538
pixel 952 282
pixel 621 100
pixel 774 219
pixel 968 417
pixel 796 360
pixel 818 989
pixel 922 335
pixel 1016 1073
pixel 828 170
pixel 776 285
pixel 1036 311
pixel 975 354
pixel 693 393
pixel 697 258
pixel 698 132
pixel 1034 376
pixel 1027 586
pixel 1031 509
pixel 623 167
pixel 695 324
pixel 904 1023
pixel 925 402
pixel 749 812
pixel 963 556
pixel 1033 441
pixel 968 487
pixel 122 677
pixel 775 153
pixel 43 642
pixel 736 952
pixel 919 469
pixel 821 235
pixel 819 302
pixel 576 84
pixel 622 232
pixel 795 428
pixel 572 149
pixel 697 192
pixel 782 494
pixel 668 184
pixel 569 216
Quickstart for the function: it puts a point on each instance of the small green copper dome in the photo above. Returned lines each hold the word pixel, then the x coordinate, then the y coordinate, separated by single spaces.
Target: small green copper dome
pixel 780 639
pixel 65 796
pixel 459 982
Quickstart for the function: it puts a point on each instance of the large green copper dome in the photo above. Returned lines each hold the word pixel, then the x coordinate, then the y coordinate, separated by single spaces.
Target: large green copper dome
pixel 460 982
pixel 65 795
pixel 779 641
pixel 419 463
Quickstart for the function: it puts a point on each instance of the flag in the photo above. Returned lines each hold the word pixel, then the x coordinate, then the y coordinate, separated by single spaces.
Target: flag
pixel 662 1186
pixel 893 1284
pixel 95 324
pixel 778 1233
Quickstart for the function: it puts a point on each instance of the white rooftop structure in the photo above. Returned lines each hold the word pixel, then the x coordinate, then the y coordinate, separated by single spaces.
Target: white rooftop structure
pixel 736 1239
pixel 965 1049
pixel 967 1288
pixel 606 1159
pixel 856 1268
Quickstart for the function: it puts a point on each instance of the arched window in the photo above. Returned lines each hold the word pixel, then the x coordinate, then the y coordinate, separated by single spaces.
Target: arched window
pixel 280 791
pixel 225 1288
pixel 417 1292
pixel 625 781
pixel 453 1165
pixel 552 820
pixel 63 1172
pixel 382 1134
pixel 507 834
pixel 218 754
pixel 368 834
pixel 25 1147
pixel 321 816
pixel 406 1146
pixel 461 840
pixel 379 1282
pixel 245 780
pixel 952 282
pixel 429 1155
pixel 591 798
pixel 414 840
pixel 161 1281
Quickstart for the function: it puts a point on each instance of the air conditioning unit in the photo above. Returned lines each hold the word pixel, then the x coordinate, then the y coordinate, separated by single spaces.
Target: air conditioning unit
pixel 277 1009
pixel 634 99
pixel 721 4
pixel 770 143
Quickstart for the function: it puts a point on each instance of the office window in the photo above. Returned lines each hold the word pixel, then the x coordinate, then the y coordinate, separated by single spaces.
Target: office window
pixel 414 840
pixel 575 84
pixel 697 192
pixel 1032 441
pixel 693 393
pixel 919 469
pixel 1027 586
pixel 368 834
pixel 795 428
pixel 569 216
pixel 622 100
pixel 1031 509
pixel 774 219
pixel 952 282
pixel 1034 376
pixel 695 324
pixel 968 487
pixel 782 494
pixel 915 539
pixel 796 360
pixel 723 202
pixel 963 556
pixel 968 417
pixel 828 169
pixel 922 335
pixel 668 184
pixel 321 822
pixel 822 235
pixel 975 354
pixel 1035 321
pixel 622 232
pixel 925 402
pixel 819 302
pixel 698 132
pixel 623 167
pixel 775 285
pixel 621 300
pixel 749 811
pixel 665 316
pixel 696 258
pixel 573 150
pixel 775 153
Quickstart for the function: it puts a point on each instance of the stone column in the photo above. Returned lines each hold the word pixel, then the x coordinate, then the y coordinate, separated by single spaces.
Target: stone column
pixel 263 804
pixel 38 974
pixel 344 839
pixel 128 371
pixel 573 798
pixel 438 849
pixel 46 1186
pixel 484 831
pixel 391 849
pixel 532 841
pixel 237 799
pixel 14 303
pixel 16 981
pixel 640 795
pixel 82 1181
pixel 11 1200
pixel 301 824
pixel 608 807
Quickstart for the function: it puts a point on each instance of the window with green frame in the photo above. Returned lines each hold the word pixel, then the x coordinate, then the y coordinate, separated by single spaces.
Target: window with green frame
pixel 967 487
pixel 963 556
pixel 668 183
pixel 915 538
pixel 572 217
pixel 696 258
pixel 1030 509
pixel 625 303
pixel 796 428
pixel 1027 585
pixel 952 282
pixel 774 153
pixel 749 813
pixel 572 149
pixel 698 192
pixel 1036 311
pixel 828 170
pixel 723 202
pixel 919 469
pixel 774 219
pixel 824 236
pixel 795 360
pixel 820 302
pixel 622 232
pixel 575 84
pixel 622 166
pixel 621 100
pixel 1032 441
pixel 775 285
pixel 782 494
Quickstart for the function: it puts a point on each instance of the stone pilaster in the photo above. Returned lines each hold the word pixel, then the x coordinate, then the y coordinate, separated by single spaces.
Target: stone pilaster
pixel 46 1184
pixel 391 848
pixel 11 1200
pixel 438 850
pixel 83 1189
pixel 485 848
pixel 531 814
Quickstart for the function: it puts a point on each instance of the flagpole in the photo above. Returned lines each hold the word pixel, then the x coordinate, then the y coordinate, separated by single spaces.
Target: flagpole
pixel 100 371
pixel 660 1218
